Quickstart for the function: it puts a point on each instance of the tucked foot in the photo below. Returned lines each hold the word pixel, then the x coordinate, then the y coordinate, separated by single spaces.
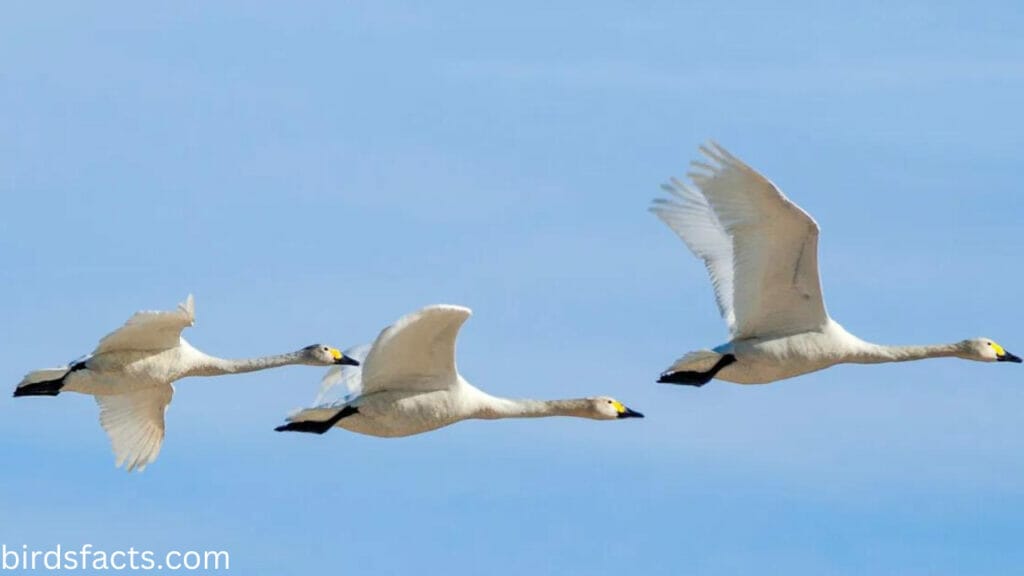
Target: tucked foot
pixel 44 388
pixel 309 426
pixel 698 379
pixel 318 427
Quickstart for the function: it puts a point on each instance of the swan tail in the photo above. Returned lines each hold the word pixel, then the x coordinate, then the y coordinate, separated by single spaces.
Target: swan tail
pixel 47 382
pixel 316 420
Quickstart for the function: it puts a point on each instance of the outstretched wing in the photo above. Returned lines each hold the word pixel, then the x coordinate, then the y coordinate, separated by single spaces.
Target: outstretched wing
pixel 150 330
pixel 135 424
pixel 690 216
pixel 418 351
pixel 342 384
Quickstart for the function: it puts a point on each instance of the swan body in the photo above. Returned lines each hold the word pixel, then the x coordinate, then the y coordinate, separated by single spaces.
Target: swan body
pixel 408 384
pixel 131 371
pixel 761 253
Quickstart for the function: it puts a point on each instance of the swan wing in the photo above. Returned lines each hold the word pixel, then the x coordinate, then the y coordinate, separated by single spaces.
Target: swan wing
pixel 342 384
pixel 150 330
pixel 776 289
pixel 135 424
pixel 416 352
pixel 690 216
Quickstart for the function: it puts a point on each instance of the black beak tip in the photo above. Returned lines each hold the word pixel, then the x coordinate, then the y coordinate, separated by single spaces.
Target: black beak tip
pixel 629 413
pixel 345 360
pixel 1011 358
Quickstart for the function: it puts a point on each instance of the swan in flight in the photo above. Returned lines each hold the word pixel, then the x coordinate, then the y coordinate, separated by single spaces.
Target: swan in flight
pixel 130 373
pixel 409 384
pixel 761 251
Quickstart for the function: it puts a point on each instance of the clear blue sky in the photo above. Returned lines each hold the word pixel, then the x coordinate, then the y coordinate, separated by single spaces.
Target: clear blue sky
pixel 313 171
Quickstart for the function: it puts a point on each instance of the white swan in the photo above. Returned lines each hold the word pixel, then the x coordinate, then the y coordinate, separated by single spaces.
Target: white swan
pixel 130 374
pixel 409 384
pixel 761 251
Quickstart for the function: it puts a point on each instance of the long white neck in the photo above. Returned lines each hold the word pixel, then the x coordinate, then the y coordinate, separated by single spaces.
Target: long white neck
pixel 877 353
pixel 213 366
pixel 493 407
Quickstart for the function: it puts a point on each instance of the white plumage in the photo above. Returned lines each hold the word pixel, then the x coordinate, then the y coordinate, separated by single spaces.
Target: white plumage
pixel 409 384
pixel 130 374
pixel 761 253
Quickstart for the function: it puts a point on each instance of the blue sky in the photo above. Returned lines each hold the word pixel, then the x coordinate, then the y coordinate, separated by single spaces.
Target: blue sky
pixel 313 172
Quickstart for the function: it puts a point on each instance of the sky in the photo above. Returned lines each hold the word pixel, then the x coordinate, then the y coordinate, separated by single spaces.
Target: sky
pixel 313 171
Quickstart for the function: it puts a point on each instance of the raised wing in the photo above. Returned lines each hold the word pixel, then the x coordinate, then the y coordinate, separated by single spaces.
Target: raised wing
pixel 776 289
pixel 690 216
pixel 418 351
pixel 135 424
pixel 150 330
pixel 343 383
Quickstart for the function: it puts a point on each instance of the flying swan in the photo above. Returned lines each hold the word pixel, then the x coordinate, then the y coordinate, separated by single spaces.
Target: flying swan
pixel 130 373
pixel 761 251
pixel 408 384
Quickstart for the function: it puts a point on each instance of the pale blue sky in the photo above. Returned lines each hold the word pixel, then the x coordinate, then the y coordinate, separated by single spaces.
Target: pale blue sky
pixel 311 172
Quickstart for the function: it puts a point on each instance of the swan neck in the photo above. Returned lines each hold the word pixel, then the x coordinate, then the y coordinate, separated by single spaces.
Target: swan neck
pixel 494 408
pixel 213 366
pixel 876 353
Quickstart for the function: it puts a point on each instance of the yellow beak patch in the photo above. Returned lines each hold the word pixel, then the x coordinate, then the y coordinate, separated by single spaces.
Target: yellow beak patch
pixel 336 354
pixel 1000 351
pixel 618 407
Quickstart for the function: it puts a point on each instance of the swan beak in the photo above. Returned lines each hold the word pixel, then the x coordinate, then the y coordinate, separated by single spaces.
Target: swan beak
pixel 1007 357
pixel 629 413
pixel 345 360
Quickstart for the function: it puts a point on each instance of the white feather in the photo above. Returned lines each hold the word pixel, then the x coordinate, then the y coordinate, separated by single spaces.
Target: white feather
pixel 135 424
pixel 131 372
pixel 410 385
pixel 342 384
pixel 761 251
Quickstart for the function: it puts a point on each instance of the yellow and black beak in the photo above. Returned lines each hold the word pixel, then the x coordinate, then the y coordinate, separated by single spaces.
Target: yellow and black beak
pixel 629 413
pixel 340 358
pixel 1007 357
pixel 626 412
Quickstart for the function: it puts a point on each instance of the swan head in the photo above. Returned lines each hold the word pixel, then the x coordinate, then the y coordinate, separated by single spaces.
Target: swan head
pixel 987 350
pixel 605 408
pixel 324 355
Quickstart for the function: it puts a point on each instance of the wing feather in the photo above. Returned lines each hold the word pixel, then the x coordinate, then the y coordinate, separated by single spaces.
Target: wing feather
pixel 150 330
pixel 418 351
pixel 342 384
pixel 135 424
pixel 774 247
pixel 690 216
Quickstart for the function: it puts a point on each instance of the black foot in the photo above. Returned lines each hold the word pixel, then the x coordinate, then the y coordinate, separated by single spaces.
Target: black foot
pixel 44 388
pixel 314 427
pixel 697 379
pixel 310 427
